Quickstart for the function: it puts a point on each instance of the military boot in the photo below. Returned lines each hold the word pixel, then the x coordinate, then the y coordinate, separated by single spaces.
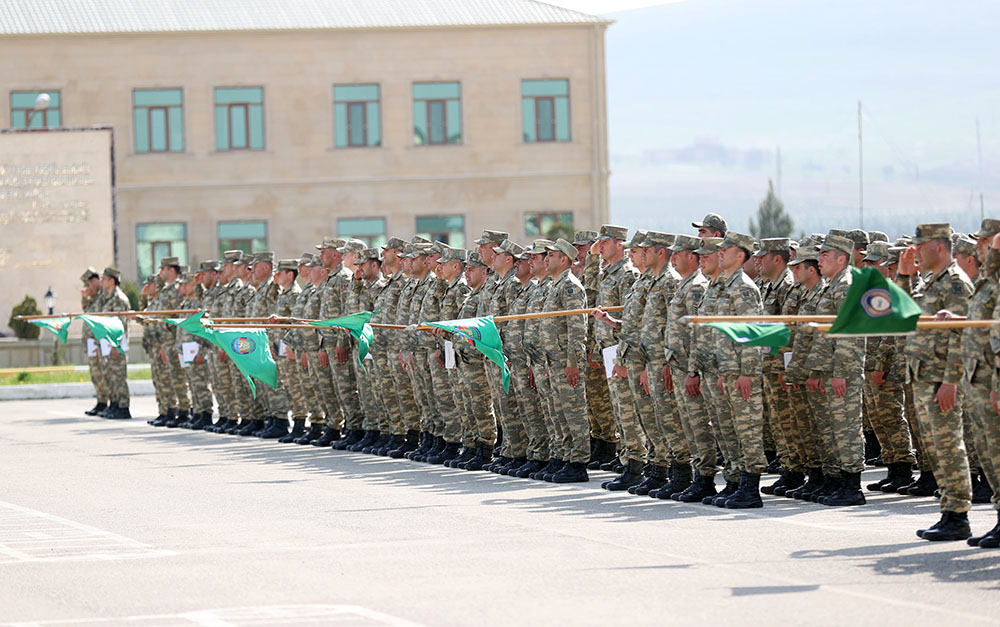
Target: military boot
pixel 572 472
pixel 385 444
pixel 352 437
pixel 632 476
pixel 182 416
pixel 251 428
pixel 747 495
pixel 609 461
pixel 268 421
pixel 981 490
pixel 482 458
pixel 113 407
pixel 435 450
pixel 499 463
pixel 160 421
pixel 654 478
pixel 277 430
pixel 512 466
pixel 990 539
pixel 681 481
pixel 426 441
pixel 792 482
pixel 952 526
pixel 161 418
pixel 814 483
pixel 448 451
pixel 237 426
pixel 467 453
pixel 595 450
pixel 550 467
pixel 780 483
pixel 672 472
pixel 831 484
pixel 408 444
pixel 312 433
pixel 719 500
pixel 215 427
pixel 873 449
pixel 549 476
pixel 375 439
pixel 328 437
pixel 609 454
pixel 849 493
pixel 96 409
pixel 702 488
pixel 298 430
pixel 196 418
pixel 367 439
pixel 900 474
pixel 923 486
pixel 120 413
pixel 773 462
pixel 530 468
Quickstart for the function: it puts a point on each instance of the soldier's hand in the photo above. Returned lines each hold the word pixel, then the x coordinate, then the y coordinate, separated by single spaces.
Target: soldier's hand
pixel 222 355
pixel 781 382
pixel 324 359
pixel 595 248
pixel 878 378
pixel 163 355
pixel 199 359
pixel 114 351
pixel 592 363
pixel 745 385
pixel 272 319
pixel 720 386
pixel 946 396
pixel 341 353
pixel 644 381
pixel 438 358
pixel 290 354
pixel 908 261
pixel 995 242
pixel 692 385
pixel 620 371
pixel 573 376
pixel 993 401
pixel 839 387
pixel 816 385
pixel 668 379
pixel 531 379
pixel 305 362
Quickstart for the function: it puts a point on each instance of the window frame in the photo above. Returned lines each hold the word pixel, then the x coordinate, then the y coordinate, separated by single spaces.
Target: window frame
pixel 538 215
pixel 431 234
pixel 29 111
pixel 555 113
pixel 154 262
pixel 366 237
pixel 246 114
pixel 444 112
pixel 149 121
pixel 348 103
pixel 236 240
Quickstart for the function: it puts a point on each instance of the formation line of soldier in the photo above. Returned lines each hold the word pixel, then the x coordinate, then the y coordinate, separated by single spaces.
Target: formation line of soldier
pixel 664 405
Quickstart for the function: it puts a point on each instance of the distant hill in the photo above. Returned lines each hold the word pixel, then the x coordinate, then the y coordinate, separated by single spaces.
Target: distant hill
pixel 702 93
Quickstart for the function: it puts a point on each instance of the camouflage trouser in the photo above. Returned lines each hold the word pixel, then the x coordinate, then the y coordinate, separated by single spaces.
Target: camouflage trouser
pixel 478 407
pixel 423 390
pixel 115 367
pixel 409 411
pixel 722 423
pixel 323 384
pixel 288 375
pixel 97 376
pixel 776 401
pixel 178 390
pixel 514 440
pixel 345 382
pixel 822 430
pixel 571 403
pixel 980 413
pixel 748 424
pixel 369 393
pixel 550 413
pixel 885 412
pixel 222 384
pixel 798 430
pixel 456 425
pixel 243 400
pixel 463 403
pixel 385 389
pixel 652 440
pixel 198 377
pixel 160 387
pixel 602 420
pixel 530 418
pixel 921 448
pixel 446 412
pixel 844 415
pixel 696 425
pixel 664 433
pixel 944 433
pixel 308 385
pixel 623 407
pixel 767 435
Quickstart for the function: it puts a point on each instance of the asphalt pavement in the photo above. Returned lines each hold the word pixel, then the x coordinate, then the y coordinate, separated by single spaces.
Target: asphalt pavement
pixel 112 523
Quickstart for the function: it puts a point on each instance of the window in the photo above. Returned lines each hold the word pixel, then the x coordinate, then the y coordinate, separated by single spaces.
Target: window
pixel 370 230
pixel 541 223
pixel 159 120
pixel 239 118
pixel 437 113
pixel 545 110
pixel 250 237
pixel 156 241
pixel 24 115
pixel 356 117
pixel 447 229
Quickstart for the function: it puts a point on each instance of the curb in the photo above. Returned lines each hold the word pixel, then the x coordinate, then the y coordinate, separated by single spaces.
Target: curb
pixel 65 390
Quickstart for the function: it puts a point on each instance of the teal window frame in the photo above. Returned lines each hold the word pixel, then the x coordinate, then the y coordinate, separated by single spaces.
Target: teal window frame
pixel 250 236
pixel 545 110
pixel 239 116
pixel 158 119
pixel 23 114
pixel 437 113
pixel 371 231
pixel 156 240
pixel 357 115
pixel 449 229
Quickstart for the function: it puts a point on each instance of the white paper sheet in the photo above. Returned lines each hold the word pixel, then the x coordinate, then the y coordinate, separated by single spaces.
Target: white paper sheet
pixel 449 354
pixel 91 347
pixel 788 359
pixel 124 344
pixel 180 358
pixel 105 348
pixel 282 349
pixel 189 350
pixel 610 353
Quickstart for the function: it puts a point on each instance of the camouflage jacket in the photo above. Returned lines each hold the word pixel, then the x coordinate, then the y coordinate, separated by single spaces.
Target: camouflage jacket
pixel 703 358
pixel 92 305
pixel 160 334
pixel 937 355
pixel 564 338
pixel 739 297
pixel 513 343
pixel 802 341
pixel 977 344
pixel 386 303
pixel 117 301
pixel 630 333
pixel 455 297
pixel 504 293
pixel 311 340
pixel 591 285
pixel 295 338
pixel 183 336
pixel 532 341
pixel 616 283
pixel 774 296
pixel 334 295
pixel 284 306
pixel 414 340
pixel 836 357
pixel 685 301
pixel 469 309
pixel 430 311
pixel 409 286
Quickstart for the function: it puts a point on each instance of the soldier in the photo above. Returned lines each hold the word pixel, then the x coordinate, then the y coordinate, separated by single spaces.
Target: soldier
pixel 115 363
pixel 208 279
pixel 172 383
pixel 712 225
pixel 413 419
pixel 91 300
pixel 192 362
pixel 239 301
pixel 223 387
pixel 417 353
pixel 367 271
pixel 285 274
pixel 934 360
pixel 564 339
pixel 484 246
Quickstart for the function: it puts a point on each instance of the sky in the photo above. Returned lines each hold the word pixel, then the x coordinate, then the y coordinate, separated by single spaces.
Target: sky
pixel 599 7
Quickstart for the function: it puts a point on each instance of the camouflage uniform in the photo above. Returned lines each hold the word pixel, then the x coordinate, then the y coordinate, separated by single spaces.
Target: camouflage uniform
pixel 197 375
pixel 397 391
pixel 270 402
pixel 334 295
pixel 774 296
pixel 528 401
pixel 216 301
pixel 115 365
pixel 239 300
pixel 313 384
pixel 478 421
pixel 602 420
pixel 442 403
pixel 289 373
pixel 885 402
pixel 980 372
pixel 97 376
pixel 533 344
pixel 172 382
pixel 514 443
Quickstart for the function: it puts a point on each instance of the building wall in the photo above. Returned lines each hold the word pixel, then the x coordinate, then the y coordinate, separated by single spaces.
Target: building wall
pixel 300 183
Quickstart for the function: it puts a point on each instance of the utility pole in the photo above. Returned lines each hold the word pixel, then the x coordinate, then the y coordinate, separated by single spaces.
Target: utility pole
pixel 861 175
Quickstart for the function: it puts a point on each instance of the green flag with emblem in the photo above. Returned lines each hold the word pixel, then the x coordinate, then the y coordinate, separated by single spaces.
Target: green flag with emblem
pixel 875 306
pixel 58 326
pixel 250 350
pixel 482 333
pixel 108 328
pixel 358 326
pixel 754 334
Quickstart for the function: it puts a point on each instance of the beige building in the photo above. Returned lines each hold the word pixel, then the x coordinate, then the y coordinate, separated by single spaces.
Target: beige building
pixel 274 123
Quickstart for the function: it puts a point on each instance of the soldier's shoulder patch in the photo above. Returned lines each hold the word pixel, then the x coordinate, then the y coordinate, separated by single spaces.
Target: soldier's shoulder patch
pixel 748 294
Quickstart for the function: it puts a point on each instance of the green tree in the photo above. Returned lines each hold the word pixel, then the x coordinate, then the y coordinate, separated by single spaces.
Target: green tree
pixel 22 329
pixel 772 221
pixel 560 229
pixel 131 289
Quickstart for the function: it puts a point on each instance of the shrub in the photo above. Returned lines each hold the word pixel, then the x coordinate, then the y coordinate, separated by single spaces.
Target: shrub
pixel 22 329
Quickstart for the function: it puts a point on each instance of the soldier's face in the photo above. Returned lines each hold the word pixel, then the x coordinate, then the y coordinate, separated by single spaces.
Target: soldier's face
pixel 709 263
pixel 982 248
pixel 107 283
pixel 261 271
pixel 475 276
pixel 581 252
pixel 486 252
pixel 927 254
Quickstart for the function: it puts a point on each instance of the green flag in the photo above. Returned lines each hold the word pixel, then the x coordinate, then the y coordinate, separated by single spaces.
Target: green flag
pixel 108 328
pixel 58 326
pixel 358 325
pixel 193 325
pixel 774 335
pixel 250 350
pixel 483 335
pixel 875 306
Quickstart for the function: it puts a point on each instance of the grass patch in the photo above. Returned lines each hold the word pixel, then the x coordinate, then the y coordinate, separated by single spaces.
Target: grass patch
pixel 34 376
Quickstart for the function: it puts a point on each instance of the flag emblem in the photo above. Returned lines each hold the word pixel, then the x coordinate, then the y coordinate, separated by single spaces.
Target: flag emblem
pixel 877 302
pixel 472 334
pixel 244 345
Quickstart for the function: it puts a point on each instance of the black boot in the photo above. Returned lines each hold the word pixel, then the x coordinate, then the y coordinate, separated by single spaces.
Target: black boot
pixel 113 407
pixel 780 483
pixel 703 487
pixel 990 539
pixel 572 472
pixel 182 416
pixel 793 481
pixel 328 437
pixel 218 426
pixel 312 433
pixel 96 409
pixel 719 500
pixel 608 453
pixel 382 446
pixel 609 460
pixel 595 450
pixel 632 476
pixel 298 430
pixel 437 445
pixel 952 526
pixel 467 453
pixel 849 493
pixel 197 421
pixel 236 426
pixel 873 448
pixel 120 413
pixel 392 442
pixel 409 444
pixel 161 420
pixel 923 486
pixel 656 478
pixel 367 442
pixel 773 462
pixel 831 484
pixel 350 438
pixel 672 471
pixel 448 451
pixel 530 468
pixel 277 430
pixel 267 425
pixel 426 442
pixel 512 468
pixel 981 491
pixel 556 469
pixel 251 428
pixel 378 440
pixel 680 482
pixel 482 458
pixel 550 468
pixel 747 496
pixel 900 475
pixel 814 483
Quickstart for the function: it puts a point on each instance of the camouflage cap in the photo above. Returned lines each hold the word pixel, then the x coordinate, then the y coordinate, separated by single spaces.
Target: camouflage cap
pixel 741 240
pixel 637 238
pixel 419 239
pixel 211 265
pixel 686 242
pixel 186 276
pixel 421 249
pixel 540 246
pixel 475 259
pixel 709 245
pixel 965 245
pixel 88 274
pixel 582 238
pixel 892 256
pixel 773 245
pixel 658 238
pixel 804 254
pixel 877 251
pixel 454 254
pixel 264 257
pixel 903 240
pixel 331 242
pixel 169 261
pixel 515 250
pixel 840 232
pixel 612 231
pixel 877 236
pixel 838 242
pixel 859 237
pixel 492 237
pixel 245 259
pixel 368 254
pixel 352 246
pixel 287 264
pixel 115 273
pixel 394 243
pixel 439 247
pixel 564 247
pixel 928 232
pixel 306 258
pixel 712 221
pixel 988 228
pixel 150 279
pixel 230 256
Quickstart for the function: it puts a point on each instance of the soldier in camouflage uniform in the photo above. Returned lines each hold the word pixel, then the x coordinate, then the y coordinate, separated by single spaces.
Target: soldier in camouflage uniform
pixel 115 364
pixel 91 300
pixel 367 273
pixel 272 404
pixel 218 362
pixel 286 272
pixel 934 362
pixel 240 296
pixel 335 347
pixel 163 336
pixel 208 283
pixel 534 346
pixel 195 370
